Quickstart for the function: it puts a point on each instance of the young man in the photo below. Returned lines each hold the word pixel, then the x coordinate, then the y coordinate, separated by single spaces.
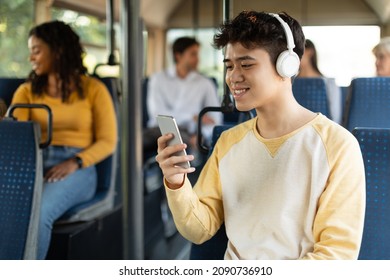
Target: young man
pixel 289 184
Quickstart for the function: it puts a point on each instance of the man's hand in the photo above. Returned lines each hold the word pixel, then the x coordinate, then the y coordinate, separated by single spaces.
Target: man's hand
pixel 174 174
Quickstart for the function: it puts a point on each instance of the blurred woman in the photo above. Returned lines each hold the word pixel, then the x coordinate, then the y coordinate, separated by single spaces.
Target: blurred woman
pixel 382 55
pixel 309 69
pixel 84 123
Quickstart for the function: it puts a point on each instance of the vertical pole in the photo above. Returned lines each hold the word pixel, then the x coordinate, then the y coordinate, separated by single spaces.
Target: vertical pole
pixel 195 17
pixel 42 11
pixel 131 164
pixel 227 100
pixel 110 32
pixel 227 9
pixel 216 23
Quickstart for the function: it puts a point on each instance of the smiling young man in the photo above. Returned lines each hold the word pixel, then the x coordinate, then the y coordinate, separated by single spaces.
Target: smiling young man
pixel 288 184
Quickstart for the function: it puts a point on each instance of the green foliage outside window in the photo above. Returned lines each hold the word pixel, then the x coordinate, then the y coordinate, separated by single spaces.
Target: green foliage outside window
pixel 16 19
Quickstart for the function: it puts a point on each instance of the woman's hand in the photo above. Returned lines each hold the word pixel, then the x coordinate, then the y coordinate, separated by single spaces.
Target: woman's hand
pixel 60 171
pixel 174 174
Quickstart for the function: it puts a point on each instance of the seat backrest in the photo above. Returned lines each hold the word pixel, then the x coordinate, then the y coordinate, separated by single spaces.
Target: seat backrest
pixel 7 88
pixel 107 171
pixel 214 248
pixel 375 147
pixel 368 103
pixel 311 94
pixel 344 94
pixel 20 189
pixel 217 131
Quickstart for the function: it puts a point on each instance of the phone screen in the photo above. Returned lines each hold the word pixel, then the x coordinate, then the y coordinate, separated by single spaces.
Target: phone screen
pixel 168 124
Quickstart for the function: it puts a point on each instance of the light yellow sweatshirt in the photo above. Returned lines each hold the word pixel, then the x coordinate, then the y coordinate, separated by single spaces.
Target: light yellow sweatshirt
pixel 88 123
pixel 300 196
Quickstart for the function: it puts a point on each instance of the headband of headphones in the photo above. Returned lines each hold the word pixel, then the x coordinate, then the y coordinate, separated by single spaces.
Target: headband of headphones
pixel 287 64
pixel 287 31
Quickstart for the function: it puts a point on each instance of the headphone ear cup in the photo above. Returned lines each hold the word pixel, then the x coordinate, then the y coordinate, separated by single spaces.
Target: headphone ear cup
pixel 287 64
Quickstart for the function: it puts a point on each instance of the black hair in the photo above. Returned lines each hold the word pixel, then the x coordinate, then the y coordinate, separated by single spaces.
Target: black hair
pixel 313 59
pixel 68 55
pixel 260 30
pixel 181 44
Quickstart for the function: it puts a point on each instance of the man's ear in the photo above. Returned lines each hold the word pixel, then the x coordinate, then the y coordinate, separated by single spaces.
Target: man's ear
pixel 178 57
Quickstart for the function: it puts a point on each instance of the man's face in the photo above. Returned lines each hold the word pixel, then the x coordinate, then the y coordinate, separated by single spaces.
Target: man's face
pixel 251 76
pixel 189 58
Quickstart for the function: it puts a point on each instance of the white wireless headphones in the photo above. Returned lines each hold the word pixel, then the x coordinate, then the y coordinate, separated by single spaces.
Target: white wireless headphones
pixel 287 64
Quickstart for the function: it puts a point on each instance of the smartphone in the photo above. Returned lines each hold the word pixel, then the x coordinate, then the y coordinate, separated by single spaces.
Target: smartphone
pixel 168 124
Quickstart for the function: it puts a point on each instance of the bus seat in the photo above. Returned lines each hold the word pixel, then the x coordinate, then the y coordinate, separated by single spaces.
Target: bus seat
pixel 214 248
pixel 20 184
pixel 368 103
pixel 112 85
pixel 311 94
pixel 107 172
pixel 344 94
pixel 236 116
pixel 20 189
pixel 104 198
pixel 7 88
pixel 217 131
pixel 375 147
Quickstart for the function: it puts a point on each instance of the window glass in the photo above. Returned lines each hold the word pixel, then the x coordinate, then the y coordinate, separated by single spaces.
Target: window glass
pixel 210 59
pixel 93 35
pixel 344 52
pixel 16 19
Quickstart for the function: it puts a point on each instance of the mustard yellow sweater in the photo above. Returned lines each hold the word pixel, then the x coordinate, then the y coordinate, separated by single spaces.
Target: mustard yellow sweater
pixel 88 123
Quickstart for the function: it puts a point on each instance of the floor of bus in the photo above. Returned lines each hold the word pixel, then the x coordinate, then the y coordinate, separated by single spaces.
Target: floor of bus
pixel 177 247
pixel 173 248
pixel 101 239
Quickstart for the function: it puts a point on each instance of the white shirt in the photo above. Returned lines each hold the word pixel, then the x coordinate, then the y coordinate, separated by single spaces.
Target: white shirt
pixel 183 99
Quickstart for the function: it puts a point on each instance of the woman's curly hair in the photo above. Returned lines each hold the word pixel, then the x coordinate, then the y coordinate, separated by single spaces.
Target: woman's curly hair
pixel 259 29
pixel 68 56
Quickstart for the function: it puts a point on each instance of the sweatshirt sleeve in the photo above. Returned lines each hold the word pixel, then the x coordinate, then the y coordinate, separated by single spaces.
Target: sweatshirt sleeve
pixel 198 211
pixel 338 224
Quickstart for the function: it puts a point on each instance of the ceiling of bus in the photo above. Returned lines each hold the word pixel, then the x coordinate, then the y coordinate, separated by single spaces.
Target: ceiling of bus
pixel 153 12
pixel 180 13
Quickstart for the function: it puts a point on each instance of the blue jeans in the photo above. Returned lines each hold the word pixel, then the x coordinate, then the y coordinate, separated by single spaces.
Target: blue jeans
pixel 58 197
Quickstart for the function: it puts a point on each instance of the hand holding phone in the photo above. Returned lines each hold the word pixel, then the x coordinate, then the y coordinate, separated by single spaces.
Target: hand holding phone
pixel 168 124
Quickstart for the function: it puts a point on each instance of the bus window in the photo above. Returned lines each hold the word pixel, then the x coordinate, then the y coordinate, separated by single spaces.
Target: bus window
pixel 210 59
pixel 16 19
pixel 93 35
pixel 344 52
